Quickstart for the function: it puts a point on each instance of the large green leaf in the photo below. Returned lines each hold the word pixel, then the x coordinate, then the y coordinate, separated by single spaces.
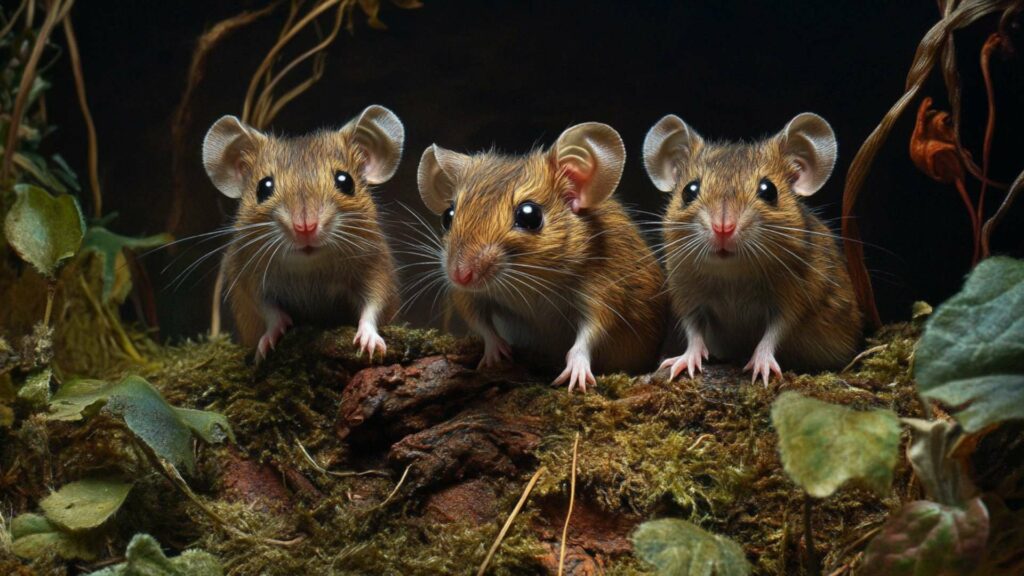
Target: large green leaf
pixel 85 504
pixel 972 349
pixel 145 558
pixel 823 445
pixel 679 548
pixel 34 536
pixel 930 539
pixel 43 230
pixel 166 429
pixel 110 246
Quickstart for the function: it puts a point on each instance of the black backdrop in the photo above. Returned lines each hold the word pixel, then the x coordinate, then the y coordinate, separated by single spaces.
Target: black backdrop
pixel 469 74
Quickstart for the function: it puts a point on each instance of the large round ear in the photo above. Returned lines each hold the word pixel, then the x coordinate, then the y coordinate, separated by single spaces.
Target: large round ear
pixel 668 145
pixel 381 136
pixel 436 177
pixel 592 156
pixel 809 143
pixel 225 148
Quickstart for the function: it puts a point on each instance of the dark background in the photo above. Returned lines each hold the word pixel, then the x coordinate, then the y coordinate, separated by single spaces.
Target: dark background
pixel 469 74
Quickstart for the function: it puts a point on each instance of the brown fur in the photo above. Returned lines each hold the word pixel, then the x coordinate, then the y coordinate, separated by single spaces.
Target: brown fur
pixel 798 274
pixel 591 266
pixel 326 288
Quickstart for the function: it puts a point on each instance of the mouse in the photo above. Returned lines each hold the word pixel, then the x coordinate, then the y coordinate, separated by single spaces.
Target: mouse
pixel 539 256
pixel 307 246
pixel 753 274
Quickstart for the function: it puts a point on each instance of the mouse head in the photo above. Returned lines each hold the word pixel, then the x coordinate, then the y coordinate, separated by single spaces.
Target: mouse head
pixel 730 200
pixel 520 220
pixel 307 192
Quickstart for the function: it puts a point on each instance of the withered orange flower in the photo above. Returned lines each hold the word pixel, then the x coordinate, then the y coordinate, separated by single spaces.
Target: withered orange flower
pixel 933 145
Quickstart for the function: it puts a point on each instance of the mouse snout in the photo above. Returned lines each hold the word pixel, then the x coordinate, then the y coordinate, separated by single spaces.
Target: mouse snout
pixel 723 232
pixel 723 229
pixel 472 270
pixel 305 228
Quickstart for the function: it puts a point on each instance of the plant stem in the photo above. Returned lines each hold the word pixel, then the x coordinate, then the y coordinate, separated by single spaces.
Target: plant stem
pixel 813 564
pixel 51 291
pixel 90 127
pixel 993 42
pixel 973 215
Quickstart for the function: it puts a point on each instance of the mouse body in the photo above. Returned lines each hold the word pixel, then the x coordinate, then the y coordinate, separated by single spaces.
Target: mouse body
pixel 538 256
pixel 752 272
pixel 308 246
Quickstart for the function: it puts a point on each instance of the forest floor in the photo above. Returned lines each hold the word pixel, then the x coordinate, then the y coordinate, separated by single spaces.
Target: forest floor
pixel 412 465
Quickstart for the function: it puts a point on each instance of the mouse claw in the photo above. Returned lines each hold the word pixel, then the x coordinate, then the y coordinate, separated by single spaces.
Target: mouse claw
pixel 369 341
pixel 763 365
pixel 281 323
pixel 577 372
pixel 691 361
pixel 496 351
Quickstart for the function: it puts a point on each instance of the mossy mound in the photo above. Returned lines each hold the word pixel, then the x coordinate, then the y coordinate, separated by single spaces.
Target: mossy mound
pixel 324 439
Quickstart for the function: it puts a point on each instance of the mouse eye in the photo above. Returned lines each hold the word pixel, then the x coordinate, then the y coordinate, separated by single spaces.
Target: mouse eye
pixel 767 191
pixel 529 216
pixel 343 182
pixel 691 191
pixel 265 189
pixel 447 216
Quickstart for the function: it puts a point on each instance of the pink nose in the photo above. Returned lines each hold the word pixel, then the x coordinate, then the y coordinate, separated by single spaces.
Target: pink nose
pixel 462 275
pixel 304 228
pixel 723 229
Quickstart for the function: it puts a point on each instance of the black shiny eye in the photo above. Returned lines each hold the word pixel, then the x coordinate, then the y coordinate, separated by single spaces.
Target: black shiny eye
pixel 265 189
pixel 529 216
pixel 447 216
pixel 691 191
pixel 767 191
pixel 343 182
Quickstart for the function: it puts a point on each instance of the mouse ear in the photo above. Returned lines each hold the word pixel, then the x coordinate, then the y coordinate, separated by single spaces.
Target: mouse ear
pixel 436 177
pixel 227 148
pixel 381 136
pixel 592 156
pixel 668 145
pixel 809 143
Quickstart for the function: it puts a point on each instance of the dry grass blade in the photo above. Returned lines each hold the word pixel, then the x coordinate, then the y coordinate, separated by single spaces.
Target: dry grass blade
pixel 928 53
pixel 14 18
pixel 396 488
pixel 508 523
pixel 993 222
pixel 90 127
pixel 316 466
pixel 183 113
pixel 572 501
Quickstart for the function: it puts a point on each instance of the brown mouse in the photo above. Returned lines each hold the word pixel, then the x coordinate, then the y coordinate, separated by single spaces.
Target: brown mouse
pixel 308 245
pixel 752 272
pixel 538 255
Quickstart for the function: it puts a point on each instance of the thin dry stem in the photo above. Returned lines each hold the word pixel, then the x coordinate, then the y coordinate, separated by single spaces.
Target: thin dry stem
pixel 90 127
pixel 572 501
pixel 511 518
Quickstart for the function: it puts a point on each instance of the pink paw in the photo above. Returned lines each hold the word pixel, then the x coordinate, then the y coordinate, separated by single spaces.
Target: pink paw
pixel 690 360
pixel 369 341
pixel 577 372
pixel 496 351
pixel 273 335
pixel 763 363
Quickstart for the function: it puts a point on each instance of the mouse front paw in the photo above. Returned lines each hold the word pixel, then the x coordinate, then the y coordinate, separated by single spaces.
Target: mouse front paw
pixel 369 341
pixel 496 351
pixel 277 326
pixel 689 360
pixel 764 365
pixel 577 371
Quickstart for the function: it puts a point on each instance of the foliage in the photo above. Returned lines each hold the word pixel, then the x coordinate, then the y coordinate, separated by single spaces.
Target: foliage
pixel 145 558
pixel 43 230
pixel 85 504
pixel 972 350
pixel 35 536
pixel 823 446
pixel 164 428
pixel 110 247
pixel 679 548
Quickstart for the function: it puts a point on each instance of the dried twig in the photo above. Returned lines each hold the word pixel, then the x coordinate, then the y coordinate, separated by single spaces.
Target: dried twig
pixel 511 517
pixel 309 458
pixel 572 501
pixel 90 127
pixel 993 222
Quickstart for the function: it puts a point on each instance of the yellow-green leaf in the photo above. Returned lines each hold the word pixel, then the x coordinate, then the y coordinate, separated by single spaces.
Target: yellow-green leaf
pixel 679 548
pixel 85 504
pixel 45 231
pixel 34 536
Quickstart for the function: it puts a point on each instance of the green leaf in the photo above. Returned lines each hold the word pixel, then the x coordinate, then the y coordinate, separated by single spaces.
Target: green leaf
pixel 972 349
pixel 679 548
pixel 145 558
pixel 43 230
pixel 36 389
pixel 823 445
pixel 931 443
pixel 930 539
pixel 109 246
pixel 85 504
pixel 34 536
pixel 164 428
